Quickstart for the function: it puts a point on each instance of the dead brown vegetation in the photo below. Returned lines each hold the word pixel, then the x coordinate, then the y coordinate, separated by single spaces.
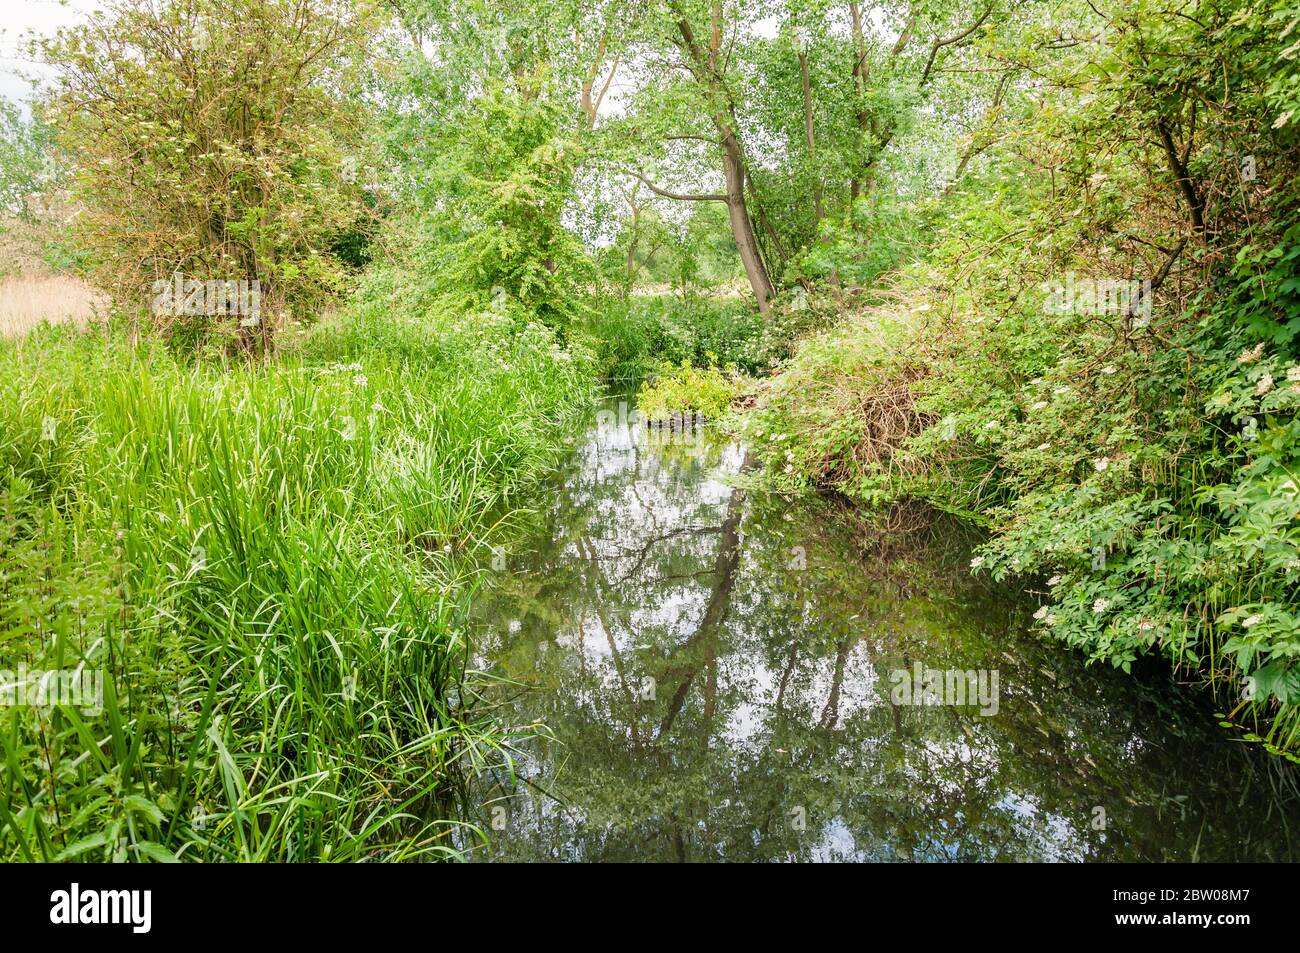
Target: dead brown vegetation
pixel 26 301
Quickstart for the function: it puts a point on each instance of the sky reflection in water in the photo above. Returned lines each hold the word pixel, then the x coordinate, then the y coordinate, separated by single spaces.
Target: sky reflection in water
pixel 714 664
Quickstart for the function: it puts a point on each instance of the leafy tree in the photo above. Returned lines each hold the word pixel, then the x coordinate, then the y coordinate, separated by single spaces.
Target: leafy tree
pixel 220 139
pixel 27 166
pixel 784 131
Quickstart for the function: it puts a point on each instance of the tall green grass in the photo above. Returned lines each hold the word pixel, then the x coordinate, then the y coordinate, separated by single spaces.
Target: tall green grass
pixel 271 566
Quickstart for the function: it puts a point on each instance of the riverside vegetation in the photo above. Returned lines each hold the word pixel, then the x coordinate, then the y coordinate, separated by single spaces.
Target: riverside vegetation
pixel 1034 265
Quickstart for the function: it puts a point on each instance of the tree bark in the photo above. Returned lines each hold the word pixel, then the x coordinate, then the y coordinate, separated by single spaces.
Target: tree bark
pixel 707 70
pixel 859 84
pixel 742 227
pixel 1195 205
pixel 810 136
pixel 590 97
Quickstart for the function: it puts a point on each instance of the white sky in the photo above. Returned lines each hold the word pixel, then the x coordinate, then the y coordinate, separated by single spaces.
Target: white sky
pixel 22 19
pixel 26 18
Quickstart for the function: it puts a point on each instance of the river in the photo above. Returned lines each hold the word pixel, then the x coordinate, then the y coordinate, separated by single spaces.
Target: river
pixel 728 674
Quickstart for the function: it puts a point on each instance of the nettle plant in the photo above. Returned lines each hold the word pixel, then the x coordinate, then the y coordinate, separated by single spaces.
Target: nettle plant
pixel 218 140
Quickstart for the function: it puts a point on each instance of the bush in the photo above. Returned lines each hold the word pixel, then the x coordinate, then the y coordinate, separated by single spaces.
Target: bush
pixel 842 411
pixel 214 153
pixel 686 389
pixel 633 337
pixel 1138 469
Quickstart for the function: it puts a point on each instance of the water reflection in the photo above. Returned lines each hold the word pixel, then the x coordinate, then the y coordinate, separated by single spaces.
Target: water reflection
pixel 715 664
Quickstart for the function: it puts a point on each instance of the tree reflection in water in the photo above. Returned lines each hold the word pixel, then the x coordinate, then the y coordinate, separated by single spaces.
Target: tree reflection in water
pixel 713 664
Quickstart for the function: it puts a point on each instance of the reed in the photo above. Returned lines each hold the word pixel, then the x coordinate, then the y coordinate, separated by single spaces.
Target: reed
pixel 271 565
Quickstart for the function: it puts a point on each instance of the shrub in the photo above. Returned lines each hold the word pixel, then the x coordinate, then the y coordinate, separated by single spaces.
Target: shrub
pixel 216 152
pixel 633 337
pixel 686 389
pixel 1138 470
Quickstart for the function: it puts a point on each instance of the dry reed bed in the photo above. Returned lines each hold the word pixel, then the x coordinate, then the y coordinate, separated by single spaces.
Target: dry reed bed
pixel 27 301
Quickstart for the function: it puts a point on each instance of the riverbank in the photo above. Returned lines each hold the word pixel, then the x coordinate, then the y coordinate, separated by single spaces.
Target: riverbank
pixel 267 565
pixel 1143 489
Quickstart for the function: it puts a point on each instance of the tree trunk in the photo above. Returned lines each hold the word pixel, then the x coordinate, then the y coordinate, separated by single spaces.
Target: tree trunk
pixel 633 240
pixel 707 70
pixel 810 136
pixel 859 86
pixel 742 227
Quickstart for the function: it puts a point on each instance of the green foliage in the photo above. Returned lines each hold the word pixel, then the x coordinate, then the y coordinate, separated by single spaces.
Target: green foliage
pixel 687 389
pixel 270 567
pixel 842 409
pixel 483 167
pixel 633 337
pixel 872 240
pixel 513 165
pixel 218 139
pixel 1143 463
pixel 27 166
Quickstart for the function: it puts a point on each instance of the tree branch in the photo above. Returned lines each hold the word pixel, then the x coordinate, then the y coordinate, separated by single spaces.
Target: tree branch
pixel 680 196
pixel 604 88
pixel 1194 204
pixel 1158 279
pixel 940 42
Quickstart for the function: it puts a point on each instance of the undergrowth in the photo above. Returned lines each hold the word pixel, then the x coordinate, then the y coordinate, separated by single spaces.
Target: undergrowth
pixel 270 567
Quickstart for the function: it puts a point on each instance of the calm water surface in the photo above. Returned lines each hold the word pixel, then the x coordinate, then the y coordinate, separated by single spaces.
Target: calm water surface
pixel 714 667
